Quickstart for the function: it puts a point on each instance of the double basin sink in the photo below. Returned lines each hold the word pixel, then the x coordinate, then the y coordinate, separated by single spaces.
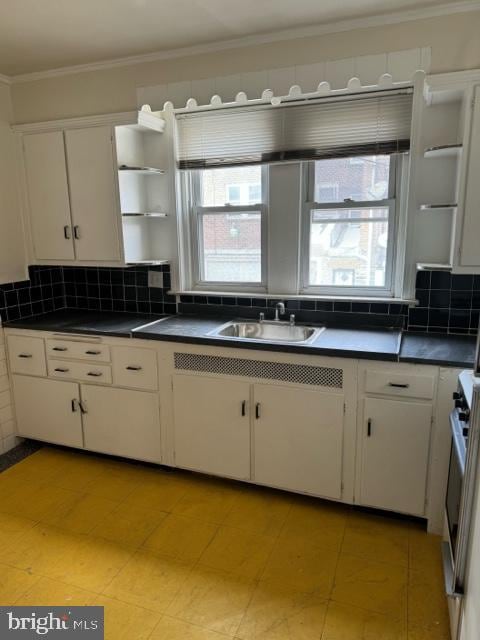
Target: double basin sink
pixel 268 331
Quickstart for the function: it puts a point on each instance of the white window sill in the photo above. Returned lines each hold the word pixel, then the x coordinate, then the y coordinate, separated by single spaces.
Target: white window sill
pixel 288 296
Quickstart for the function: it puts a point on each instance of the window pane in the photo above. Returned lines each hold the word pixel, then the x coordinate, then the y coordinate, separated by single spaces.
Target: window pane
pixel 233 185
pixel 231 247
pixel 351 252
pixel 361 178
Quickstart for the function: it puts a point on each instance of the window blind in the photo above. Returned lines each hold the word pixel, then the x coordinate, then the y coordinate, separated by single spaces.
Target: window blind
pixel 365 125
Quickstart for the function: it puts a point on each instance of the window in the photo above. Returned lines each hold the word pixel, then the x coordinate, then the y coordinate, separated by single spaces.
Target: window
pixel 348 241
pixel 228 227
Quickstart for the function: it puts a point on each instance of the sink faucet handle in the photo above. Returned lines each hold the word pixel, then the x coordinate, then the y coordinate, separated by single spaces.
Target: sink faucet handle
pixel 292 319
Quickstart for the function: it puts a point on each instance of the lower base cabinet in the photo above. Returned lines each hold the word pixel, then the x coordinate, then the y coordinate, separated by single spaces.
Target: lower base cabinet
pixel 212 425
pixel 395 451
pixel 121 422
pixel 298 439
pixel 48 410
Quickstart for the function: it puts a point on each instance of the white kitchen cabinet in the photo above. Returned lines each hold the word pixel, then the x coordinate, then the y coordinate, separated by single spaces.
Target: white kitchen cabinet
pixel 298 439
pixel 48 198
pixel 121 422
pixel 212 425
pixel 72 195
pixel 93 199
pixel 48 410
pixel 394 454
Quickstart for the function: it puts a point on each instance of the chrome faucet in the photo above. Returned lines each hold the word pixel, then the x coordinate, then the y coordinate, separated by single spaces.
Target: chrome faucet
pixel 279 310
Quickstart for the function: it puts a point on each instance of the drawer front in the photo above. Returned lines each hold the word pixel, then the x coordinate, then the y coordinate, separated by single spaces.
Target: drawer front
pixel 399 384
pixel 67 370
pixel 135 368
pixel 94 352
pixel 27 355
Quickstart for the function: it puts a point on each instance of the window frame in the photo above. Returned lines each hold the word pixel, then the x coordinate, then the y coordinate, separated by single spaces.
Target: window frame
pixel 309 205
pixel 196 214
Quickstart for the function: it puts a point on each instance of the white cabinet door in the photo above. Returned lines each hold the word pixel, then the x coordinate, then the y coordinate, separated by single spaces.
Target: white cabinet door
pixel 121 422
pixel 396 443
pixel 298 439
pixel 47 187
pixel 48 410
pixel 469 253
pixel 212 425
pixel 92 175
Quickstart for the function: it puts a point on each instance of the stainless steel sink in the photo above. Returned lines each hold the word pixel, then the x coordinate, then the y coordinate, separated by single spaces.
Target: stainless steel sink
pixel 268 331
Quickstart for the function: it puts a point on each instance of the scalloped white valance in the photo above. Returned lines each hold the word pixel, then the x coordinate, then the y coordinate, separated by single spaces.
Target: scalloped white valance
pixel 333 77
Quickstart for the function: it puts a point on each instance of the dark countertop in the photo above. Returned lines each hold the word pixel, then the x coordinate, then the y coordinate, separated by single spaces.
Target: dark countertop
pixel 87 322
pixel 374 344
pixel 371 344
pixel 440 350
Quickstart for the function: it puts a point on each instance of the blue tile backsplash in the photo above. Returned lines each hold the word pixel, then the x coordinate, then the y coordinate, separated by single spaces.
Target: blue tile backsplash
pixel 447 303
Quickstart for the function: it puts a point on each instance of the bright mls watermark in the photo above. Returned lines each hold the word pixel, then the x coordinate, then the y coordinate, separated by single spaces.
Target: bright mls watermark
pixel 52 622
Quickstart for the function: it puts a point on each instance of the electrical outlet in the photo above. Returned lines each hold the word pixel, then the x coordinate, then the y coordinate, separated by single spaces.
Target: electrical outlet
pixel 155 279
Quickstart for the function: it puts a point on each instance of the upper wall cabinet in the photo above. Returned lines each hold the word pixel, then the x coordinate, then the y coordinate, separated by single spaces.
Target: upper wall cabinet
pixel 99 194
pixel 93 198
pixel 71 195
pixel 47 187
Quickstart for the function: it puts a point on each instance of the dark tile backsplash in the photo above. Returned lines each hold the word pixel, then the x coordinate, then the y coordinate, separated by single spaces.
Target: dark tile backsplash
pixel 447 303
pixel 42 293
pixel 108 289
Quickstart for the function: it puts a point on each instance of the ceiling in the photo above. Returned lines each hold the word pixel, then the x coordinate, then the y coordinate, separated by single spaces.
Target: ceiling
pixel 37 35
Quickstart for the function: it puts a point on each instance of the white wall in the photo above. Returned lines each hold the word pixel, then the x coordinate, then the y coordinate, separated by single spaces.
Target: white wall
pixel 453 40
pixel 12 250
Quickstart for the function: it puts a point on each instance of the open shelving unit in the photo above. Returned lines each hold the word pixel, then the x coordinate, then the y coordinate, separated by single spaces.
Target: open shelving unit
pixel 143 190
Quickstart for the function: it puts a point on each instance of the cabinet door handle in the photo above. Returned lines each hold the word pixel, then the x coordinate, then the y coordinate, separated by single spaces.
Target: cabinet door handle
pixel 244 408
pixel 59 348
pixel 95 374
pixel 67 233
pixel 74 405
pixel 25 355
pixel 82 406
pixel 257 410
pixel 91 352
pixel 60 370
pixel 76 232
pixel 369 427
pixel 133 368
pixel 398 385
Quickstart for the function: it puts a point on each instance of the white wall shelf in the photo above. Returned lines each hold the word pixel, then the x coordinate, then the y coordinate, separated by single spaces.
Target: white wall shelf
pixel 147 171
pixel 443 151
pixel 434 207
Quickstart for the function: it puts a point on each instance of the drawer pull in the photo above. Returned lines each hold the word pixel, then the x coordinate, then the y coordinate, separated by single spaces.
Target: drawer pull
pixel 95 374
pixel 398 385
pixel 244 408
pixel 25 355
pixel 59 348
pixel 132 368
pixel 369 427
pixel 257 410
pixel 93 353
pixel 60 370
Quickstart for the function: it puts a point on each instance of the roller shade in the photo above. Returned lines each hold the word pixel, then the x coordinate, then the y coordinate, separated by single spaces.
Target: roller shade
pixel 378 124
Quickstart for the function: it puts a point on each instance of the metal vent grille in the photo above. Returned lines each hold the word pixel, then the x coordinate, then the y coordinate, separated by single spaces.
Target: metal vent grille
pixel 299 373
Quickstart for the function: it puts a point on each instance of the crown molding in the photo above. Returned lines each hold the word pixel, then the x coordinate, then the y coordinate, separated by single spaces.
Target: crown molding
pixel 445 9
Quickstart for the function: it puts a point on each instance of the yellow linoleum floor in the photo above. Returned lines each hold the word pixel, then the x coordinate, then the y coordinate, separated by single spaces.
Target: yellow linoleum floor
pixel 174 556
